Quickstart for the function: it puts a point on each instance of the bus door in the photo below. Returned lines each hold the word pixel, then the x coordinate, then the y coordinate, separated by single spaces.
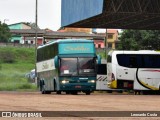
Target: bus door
pixel 101 83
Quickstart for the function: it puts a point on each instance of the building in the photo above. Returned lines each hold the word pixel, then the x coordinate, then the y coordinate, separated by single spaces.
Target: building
pixel 111 39
pixel 99 42
pixel 70 29
pixel 112 36
pixel 24 38
pixel 18 38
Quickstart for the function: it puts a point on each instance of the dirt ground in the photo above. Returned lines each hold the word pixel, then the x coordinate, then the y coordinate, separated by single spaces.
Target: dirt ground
pixel 35 101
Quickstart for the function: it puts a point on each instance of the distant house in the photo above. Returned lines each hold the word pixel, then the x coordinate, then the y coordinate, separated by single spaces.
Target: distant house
pixel 112 39
pixel 99 43
pixel 18 38
pixel 69 29
pixel 25 38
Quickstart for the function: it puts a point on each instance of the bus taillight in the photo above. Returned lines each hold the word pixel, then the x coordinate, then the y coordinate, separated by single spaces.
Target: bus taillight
pixel 130 85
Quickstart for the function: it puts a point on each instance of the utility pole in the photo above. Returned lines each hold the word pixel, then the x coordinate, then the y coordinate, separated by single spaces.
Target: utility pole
pixel 106 44
pixel 36 30
pixel 5 20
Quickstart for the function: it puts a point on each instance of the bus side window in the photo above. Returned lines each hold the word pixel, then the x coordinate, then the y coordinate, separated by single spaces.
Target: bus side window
pixel 132 62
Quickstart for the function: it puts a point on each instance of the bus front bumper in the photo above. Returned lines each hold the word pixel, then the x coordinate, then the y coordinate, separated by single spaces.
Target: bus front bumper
pixel 80 87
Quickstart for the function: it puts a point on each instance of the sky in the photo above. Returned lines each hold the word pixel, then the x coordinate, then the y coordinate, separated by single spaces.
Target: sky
pixel 15 11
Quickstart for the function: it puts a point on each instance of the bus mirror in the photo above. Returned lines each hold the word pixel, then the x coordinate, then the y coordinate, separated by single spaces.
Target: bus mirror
pixel 98 59
pixel 56 62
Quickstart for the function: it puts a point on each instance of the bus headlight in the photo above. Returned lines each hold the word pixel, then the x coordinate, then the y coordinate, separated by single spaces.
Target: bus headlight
pixel 65 81
pixel 91 81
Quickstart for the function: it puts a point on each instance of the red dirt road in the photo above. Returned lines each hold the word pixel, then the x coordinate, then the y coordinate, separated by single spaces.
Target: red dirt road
pixel 35 101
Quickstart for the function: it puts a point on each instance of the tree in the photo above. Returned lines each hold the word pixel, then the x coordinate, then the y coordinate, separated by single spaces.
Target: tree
pixel 139 39
pixel 5 34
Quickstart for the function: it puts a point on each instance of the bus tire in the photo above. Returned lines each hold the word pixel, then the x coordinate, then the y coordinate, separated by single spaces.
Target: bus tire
pixel 109 91
pixel 67 92
pixel 40 85
pixel 74 92
pixel 58 92
pixel 54 81
pixel 88 93
pixel 137 92
pixel 43 91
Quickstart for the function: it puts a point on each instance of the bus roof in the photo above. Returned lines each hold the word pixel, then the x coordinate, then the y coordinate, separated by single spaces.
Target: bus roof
pixel 133 52
pixel 67 41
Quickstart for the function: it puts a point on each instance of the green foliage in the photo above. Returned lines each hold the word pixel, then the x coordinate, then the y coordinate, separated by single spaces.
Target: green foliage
pixel 139 39
pixel 102 54
pixel 13 54
pixel 5 34
pixel 12 74
pixel 7 57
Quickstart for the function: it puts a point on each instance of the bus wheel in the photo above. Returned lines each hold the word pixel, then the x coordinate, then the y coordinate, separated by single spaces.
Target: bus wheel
pixel 43 90
pixel 109 91
pixel 40 85
pixel 88 93
pixel 74 93
pixel 67 92
pixel 47 92
pixel 58 92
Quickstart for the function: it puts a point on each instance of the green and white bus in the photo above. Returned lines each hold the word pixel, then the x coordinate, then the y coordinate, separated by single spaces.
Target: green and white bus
pixel 67 65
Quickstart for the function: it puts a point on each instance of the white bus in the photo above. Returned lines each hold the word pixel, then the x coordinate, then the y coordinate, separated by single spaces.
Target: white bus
pixel 134 70
pixel 101 83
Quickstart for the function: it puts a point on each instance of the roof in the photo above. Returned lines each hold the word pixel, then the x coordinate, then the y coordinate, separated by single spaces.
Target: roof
pixel 18 23
pixel 122 14
pixel 67 41
pixel 134 52
pixel 53 34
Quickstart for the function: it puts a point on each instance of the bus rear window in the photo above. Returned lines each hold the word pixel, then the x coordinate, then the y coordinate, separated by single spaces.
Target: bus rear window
pixel 138 61
pixel 102 69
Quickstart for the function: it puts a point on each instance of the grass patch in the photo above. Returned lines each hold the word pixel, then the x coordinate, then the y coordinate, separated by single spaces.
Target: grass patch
pixel 12 74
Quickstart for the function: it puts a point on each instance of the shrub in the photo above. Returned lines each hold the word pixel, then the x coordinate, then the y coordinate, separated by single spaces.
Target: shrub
pixel 7 57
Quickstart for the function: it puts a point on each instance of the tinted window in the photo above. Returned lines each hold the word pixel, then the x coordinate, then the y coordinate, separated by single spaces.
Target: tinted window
pixel 139 61
pixel 87 65
pixel 151 61
pixel 47 52
pixel 102 69
pixel 68 66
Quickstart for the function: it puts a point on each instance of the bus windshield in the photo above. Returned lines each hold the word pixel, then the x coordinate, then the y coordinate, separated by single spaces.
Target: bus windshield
pixel 77 66
pixel 86 66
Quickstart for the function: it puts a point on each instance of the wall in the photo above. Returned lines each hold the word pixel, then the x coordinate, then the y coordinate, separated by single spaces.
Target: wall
pixel 112 41
pixel 15 26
